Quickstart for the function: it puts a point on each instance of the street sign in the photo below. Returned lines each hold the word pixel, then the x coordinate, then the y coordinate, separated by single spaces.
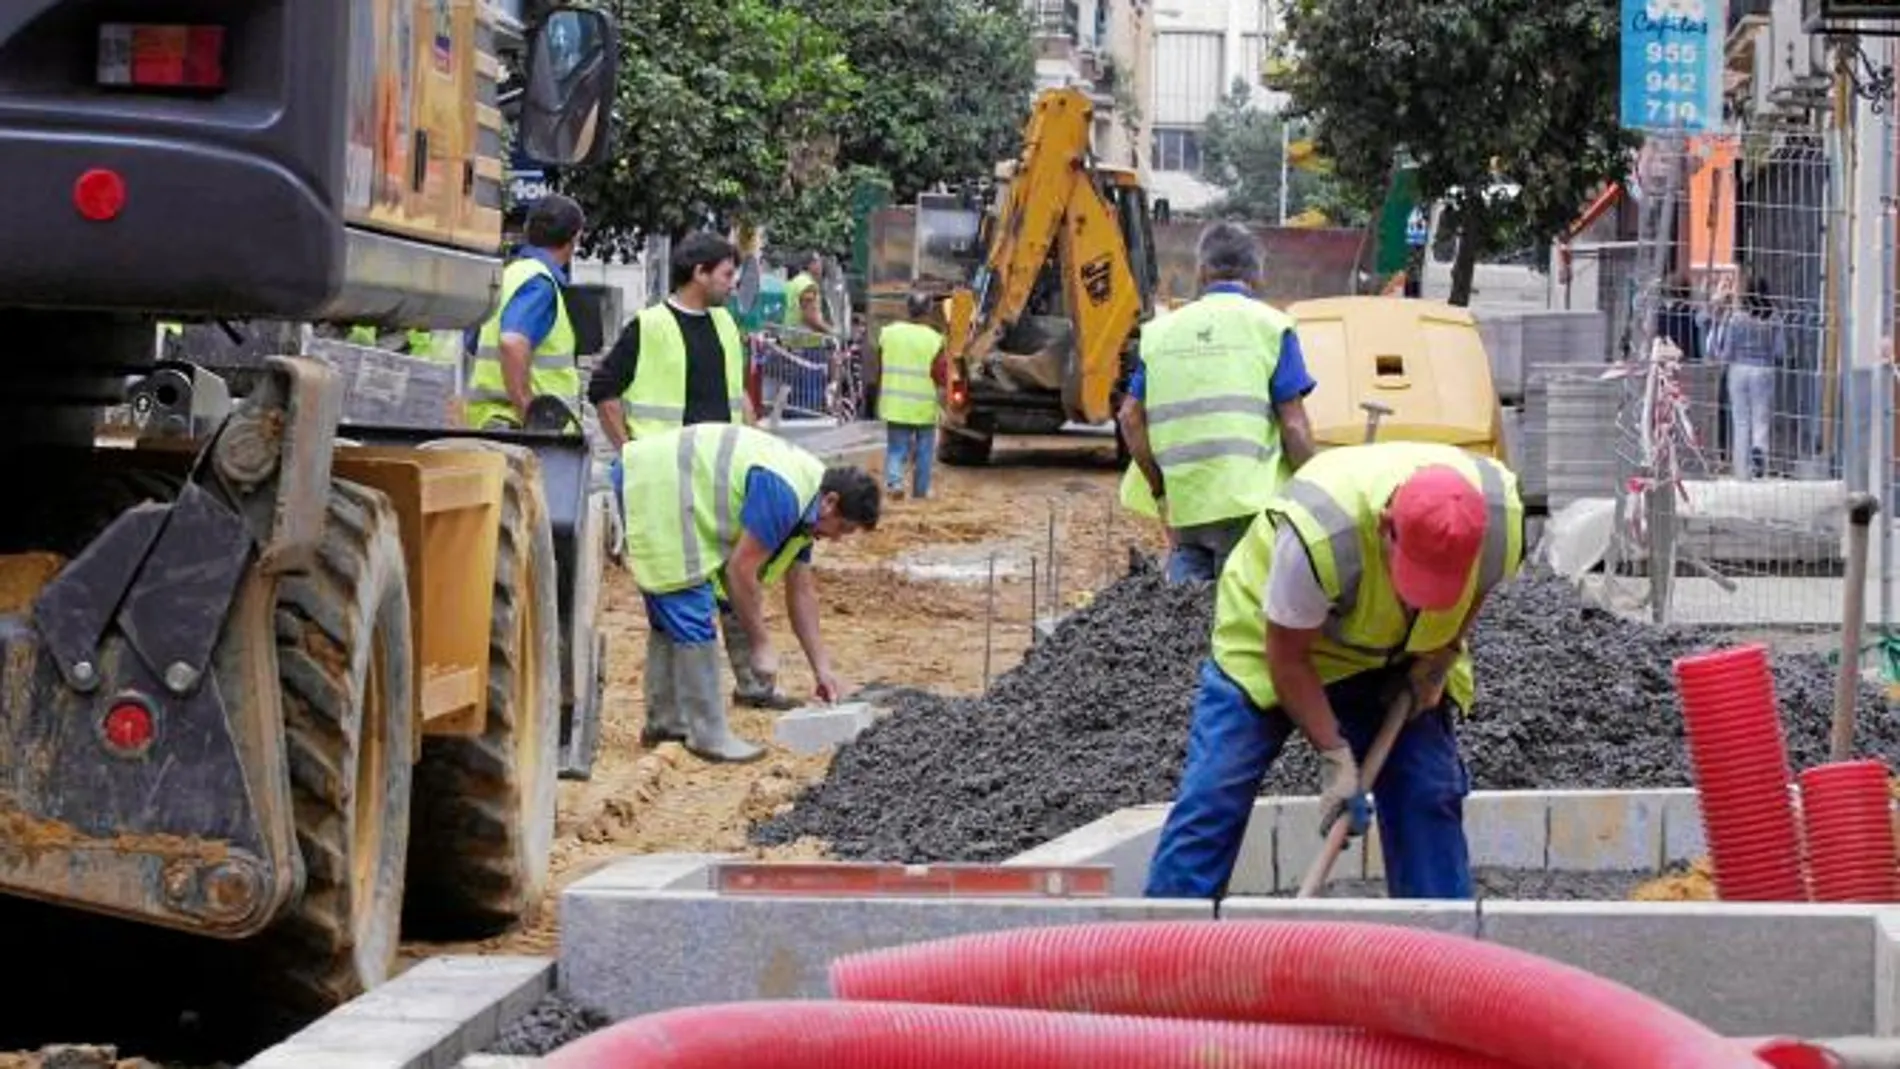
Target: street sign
pixel 1417 229
pixel 1672 65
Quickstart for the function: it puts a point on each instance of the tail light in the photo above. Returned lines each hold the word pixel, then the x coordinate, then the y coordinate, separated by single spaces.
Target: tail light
pixel 153 56
pixel 959 394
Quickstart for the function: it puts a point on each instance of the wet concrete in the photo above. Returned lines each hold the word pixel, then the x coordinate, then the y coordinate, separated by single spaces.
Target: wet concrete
pixel 1096 719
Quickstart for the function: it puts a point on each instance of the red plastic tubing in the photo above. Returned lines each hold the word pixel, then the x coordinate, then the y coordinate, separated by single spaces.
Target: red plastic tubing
pixel 1741 773
pixel 892 1035
pixel 1847 812
pixel 1479 997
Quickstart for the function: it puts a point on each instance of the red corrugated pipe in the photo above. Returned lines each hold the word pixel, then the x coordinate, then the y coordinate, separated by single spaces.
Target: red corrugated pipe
pixel 1479 997
pixel 1847 813
pixel 893 1035
pixel 1741 774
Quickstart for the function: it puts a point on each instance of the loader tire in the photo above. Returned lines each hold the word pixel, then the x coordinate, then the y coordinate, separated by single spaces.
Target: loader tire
pixel 347 671
pixel 483 819
pixel 963 450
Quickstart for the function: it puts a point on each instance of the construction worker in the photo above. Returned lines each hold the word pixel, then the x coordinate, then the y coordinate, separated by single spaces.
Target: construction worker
pixel 1214 417
pixel 681 363
pixel 749 505
pixel 804 299
pixel 527 348
pixel 909 381
pixel 1356 587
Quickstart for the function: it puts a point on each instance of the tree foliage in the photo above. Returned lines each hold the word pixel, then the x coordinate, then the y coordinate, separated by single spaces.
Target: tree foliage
pixel 1240 154
pixel 770 112
pixel 1477 93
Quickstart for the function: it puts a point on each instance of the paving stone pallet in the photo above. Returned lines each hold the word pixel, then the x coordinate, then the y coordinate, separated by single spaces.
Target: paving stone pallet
pixel 1096 718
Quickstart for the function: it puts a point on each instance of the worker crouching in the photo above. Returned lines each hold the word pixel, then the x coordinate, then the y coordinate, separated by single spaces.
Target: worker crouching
pixel 717 512
pixel 1354 589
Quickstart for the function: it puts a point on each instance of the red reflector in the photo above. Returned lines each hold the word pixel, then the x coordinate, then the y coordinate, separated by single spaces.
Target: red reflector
pixel 128 727
pixel 161 57
pixel 99 195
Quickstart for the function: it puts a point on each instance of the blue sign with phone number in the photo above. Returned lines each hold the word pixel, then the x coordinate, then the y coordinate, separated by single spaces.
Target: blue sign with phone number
pixel 1672 65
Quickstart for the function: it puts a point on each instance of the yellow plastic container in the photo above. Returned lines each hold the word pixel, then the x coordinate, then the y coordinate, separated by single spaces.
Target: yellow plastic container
pixel 1423 360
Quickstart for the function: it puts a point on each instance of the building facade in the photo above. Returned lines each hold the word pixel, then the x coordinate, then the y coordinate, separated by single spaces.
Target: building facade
pixel 1104 47
pixel 1200 48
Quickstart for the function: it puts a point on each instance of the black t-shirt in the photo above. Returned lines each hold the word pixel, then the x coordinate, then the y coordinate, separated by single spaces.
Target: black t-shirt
pixel 706 393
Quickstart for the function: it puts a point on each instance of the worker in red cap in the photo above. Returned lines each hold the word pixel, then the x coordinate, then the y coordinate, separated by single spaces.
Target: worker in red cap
pixel 1362 577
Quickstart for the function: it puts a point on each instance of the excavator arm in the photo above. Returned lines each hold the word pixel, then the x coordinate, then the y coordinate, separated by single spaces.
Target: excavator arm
pixel 1053 205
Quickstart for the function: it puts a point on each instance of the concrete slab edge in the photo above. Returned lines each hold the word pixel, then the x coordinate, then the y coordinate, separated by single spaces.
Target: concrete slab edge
pixel 431 1017
pixel 1554 830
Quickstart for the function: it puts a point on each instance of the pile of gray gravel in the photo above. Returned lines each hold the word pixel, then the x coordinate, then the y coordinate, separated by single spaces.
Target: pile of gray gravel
pixel 1095 719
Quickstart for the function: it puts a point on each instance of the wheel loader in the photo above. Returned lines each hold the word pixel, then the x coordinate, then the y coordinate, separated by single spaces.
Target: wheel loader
pixel 245 658
pixel 1045 334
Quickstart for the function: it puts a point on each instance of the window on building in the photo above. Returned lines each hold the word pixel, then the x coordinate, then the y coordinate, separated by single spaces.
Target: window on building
pixel 1188 76
pixel 1176 149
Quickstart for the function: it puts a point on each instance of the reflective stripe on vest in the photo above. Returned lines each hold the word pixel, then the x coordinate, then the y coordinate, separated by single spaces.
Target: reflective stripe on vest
pixel 905 394
pixel 683 492
pixel 1208 406
pixel 1334 504
pixel 552 371
pixel 655 401
pixel 794 294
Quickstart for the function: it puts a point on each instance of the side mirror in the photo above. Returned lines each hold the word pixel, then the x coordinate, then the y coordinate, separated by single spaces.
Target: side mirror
pixel 567 108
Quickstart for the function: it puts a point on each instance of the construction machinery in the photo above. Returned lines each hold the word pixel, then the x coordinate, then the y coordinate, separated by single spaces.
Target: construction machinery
pixel 247 652
pixel 1045 333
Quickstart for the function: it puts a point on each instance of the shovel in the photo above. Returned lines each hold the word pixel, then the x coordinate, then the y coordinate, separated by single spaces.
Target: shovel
pixel 1860 515
pixel 1396 716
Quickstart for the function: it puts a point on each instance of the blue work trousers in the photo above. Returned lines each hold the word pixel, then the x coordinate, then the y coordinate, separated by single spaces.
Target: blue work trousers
pixel 913 447
pixel 1419 797
pixel 1201 551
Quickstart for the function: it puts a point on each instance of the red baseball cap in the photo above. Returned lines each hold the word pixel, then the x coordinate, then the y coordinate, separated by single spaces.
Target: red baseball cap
pixel 1438 521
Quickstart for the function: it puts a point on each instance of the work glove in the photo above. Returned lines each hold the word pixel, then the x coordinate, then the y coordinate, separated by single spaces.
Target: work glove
pixel 1340 793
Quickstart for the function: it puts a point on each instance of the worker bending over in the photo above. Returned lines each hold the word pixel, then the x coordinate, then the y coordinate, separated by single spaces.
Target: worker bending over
pixel 526 349
pixel 681 363
pixel 712 509
pixel 909 384
pixel 1215 416
pixel 1359 581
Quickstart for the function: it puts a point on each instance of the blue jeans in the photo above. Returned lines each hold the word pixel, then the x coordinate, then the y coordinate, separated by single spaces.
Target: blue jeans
pixel 1200 552
pixel 1419 796
pixel 905 446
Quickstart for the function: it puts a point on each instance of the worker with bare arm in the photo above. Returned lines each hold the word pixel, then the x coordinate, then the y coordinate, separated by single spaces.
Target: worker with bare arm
pixel 911 360
pixel 1215 416
pixel 1358 582
pixel 681 363
pixel 720 507
pixel 526 349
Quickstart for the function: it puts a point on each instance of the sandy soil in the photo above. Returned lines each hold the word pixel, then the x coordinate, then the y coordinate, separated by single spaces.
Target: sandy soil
pixel 909 604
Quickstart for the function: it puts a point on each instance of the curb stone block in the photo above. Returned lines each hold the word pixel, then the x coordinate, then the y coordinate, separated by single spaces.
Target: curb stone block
pixel 1124 839
pixel 1887 973
pixel 427 1018
pixel 815 729
pixel 1604 831
pixel 1457 918
pixel 1508 829
pixel 1683 838
pixel 1743 969
pixel 692 948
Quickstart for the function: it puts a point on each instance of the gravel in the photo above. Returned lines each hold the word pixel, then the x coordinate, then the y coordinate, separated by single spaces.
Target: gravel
pixel 1095 719
pixel 1537 885
pixel 554 1022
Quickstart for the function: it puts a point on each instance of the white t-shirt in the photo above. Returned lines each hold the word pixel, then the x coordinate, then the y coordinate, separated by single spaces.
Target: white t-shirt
pixel 1293 598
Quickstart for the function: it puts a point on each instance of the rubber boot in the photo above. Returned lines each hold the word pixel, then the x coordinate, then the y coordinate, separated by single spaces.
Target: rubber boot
pixel 666 721
pixel 708 735
pixel 747 689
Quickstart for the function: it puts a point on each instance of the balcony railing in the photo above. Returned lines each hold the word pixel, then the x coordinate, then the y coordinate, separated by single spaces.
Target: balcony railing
pixel 1743 9
pixel 1055 18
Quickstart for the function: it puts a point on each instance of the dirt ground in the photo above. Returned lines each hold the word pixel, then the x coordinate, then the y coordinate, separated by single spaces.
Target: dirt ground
pixel 909 604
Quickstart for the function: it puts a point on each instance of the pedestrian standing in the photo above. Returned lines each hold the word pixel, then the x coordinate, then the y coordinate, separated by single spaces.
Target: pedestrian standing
pixel 910 355
pixel 1215 417
pixel 1363 576
pixel 1754 343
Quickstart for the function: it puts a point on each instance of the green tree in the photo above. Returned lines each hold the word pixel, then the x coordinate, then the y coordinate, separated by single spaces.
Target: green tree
pixel 1240 154
pixel 724 110
pixel 1478 93
pixel 946 86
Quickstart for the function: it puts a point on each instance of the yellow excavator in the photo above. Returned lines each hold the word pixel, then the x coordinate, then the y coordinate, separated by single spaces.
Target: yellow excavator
pixel 245 651
pixel 1044 335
